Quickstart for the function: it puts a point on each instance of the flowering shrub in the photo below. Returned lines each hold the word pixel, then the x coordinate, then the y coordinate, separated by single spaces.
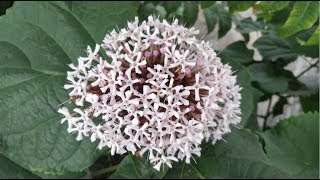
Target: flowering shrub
pixel 159 89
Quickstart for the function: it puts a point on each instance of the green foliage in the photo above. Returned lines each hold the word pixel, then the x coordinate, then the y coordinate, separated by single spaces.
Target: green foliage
pixel 238 52
pixel 303 16
pixel 206 4
pixel 190 12
pixel 314 39
pixel 267 77
pixel 138 168
pixel 310 102
pixel 11 170
pixel 217 14
pixel 39 39
pixel 293 145
pixel 272 48
pixel 235 6
pixel 241 154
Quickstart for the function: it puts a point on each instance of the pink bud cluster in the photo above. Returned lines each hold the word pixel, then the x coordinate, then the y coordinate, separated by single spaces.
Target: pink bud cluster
pixel 161 92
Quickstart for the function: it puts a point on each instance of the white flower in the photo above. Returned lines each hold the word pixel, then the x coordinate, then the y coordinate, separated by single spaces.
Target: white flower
pixel 163 93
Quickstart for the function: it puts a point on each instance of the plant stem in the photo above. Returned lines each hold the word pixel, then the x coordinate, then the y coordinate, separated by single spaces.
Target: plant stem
pixel 105 170
pixel 264 127
pixel 312 65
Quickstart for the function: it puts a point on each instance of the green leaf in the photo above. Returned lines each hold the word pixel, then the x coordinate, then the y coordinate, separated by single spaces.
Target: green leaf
pixel 171 6
pixel 217 14
pixel 247 25
pixel 132 167
pixel 303 16
pixel 190 12
pixel 273 11
pixel 238 52
pixel 293 145
pixel 37 41
pixel 314 39
pixel 267 77
pixel 272 48
pixel 235 6
pixel 310 103
pixel 11 170
pixel 206 4
pixel 297 43
pixel 145 10
pixel 239 156
pixel 272 6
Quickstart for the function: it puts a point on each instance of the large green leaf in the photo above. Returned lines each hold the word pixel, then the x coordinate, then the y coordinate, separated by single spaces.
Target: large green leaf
pixel 235 6
pixel 303 16
pixel 11 170
pixel 132 167
pixel 272 48
pixel 271 6
pixel 217 14
pixel 293 145
pixel 239 156
pixel 270 11
pixel 298 41
pixel 267 77
pixel 37 41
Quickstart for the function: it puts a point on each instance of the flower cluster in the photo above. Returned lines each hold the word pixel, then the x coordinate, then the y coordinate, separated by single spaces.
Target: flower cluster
pixel 161 92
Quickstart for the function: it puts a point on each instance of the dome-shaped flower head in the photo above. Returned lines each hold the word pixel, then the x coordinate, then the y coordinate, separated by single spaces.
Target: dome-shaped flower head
pixel 159 94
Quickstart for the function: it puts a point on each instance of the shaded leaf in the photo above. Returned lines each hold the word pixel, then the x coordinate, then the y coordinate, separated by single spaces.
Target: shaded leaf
pixel 238 52
pixel 206 4
pixel 278 107
pixel 303 16
pixel 217 14
pixel 267 78
pixel 271 6
pixel 235 6
pixel 293 145
pixel 272 48
pixel 4 5
pixel 132 167
pixel 310 103
pixel 145 10
pixel 11 170
pixel 171 6
pixel 247 25
pixel 190 12
pixel 239 156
